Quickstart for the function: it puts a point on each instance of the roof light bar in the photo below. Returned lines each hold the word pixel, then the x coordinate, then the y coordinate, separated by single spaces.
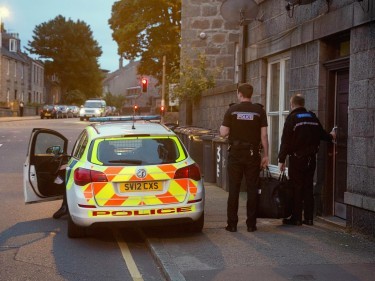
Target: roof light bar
pixel 126 118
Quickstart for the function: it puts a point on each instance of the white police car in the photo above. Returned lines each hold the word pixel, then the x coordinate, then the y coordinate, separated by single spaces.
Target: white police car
pixel 121 169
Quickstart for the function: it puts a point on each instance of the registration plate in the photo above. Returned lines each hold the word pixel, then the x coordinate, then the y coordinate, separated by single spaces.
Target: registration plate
pixel 141 186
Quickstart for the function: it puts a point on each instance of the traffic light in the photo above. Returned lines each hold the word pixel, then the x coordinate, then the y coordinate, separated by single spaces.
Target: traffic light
pixel 135 109
pixel 162 110
pixel 144 83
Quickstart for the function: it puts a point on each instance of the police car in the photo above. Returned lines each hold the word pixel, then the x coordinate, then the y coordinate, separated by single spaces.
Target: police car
pixel 121 169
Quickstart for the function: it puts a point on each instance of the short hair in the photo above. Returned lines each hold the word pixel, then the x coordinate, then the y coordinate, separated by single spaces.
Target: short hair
pixel 297 100
pixel 246 90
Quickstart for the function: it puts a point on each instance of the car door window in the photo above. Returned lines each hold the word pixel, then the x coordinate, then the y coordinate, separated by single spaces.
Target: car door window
pixel 44 141
pixel 46 163
pixel 80 145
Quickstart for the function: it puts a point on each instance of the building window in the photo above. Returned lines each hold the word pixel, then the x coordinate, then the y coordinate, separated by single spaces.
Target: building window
pixel 278 96
pixel 12 45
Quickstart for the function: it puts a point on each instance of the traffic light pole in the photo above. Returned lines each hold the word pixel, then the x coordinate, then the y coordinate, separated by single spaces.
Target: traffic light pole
pixel 163 88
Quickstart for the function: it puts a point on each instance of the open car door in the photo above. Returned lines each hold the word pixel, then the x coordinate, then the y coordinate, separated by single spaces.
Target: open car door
pixel 42 178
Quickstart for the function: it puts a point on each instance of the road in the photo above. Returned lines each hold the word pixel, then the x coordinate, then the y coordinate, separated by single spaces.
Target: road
pixel 33 246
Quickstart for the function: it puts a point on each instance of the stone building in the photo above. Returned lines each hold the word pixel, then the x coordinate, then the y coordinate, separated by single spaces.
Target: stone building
pixel 126 82
pixel 322 49
pixel 21 77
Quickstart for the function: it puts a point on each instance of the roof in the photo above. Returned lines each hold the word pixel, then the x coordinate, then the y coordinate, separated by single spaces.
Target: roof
pixel 13 55
pixel 109 129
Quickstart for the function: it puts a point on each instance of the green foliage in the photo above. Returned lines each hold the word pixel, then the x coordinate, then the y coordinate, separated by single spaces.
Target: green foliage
pixel 69 51
pixel 192 79
pixel 114 100
pixel 74 97
pixel 149 30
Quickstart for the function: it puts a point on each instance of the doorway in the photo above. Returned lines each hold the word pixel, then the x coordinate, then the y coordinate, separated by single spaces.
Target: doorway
pixel 340 147
pixel 337 106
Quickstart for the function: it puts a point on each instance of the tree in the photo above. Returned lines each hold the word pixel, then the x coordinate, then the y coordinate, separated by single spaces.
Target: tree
pixel 114 100
pixel 192 79
pixel 148 29
pixel 69 51
pixel 75 97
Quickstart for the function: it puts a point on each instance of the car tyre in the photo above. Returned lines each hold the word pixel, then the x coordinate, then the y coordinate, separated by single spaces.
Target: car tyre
pixel 75 231
pixel 197 226
pixel 81 118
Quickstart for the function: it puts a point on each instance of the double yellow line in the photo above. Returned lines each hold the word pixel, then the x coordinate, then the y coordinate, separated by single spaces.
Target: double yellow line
pixel 130 263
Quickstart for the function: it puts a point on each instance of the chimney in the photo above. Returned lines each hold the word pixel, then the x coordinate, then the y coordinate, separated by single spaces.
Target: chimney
pixel 121 61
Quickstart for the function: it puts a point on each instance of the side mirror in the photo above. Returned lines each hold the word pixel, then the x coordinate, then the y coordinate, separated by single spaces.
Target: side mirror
pixel 56 149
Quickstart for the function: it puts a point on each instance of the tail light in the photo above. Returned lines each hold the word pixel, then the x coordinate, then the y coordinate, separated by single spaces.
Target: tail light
pixel 191 172
pixel 84 176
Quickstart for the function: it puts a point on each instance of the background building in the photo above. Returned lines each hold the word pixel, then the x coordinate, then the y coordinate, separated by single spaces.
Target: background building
pixel 127 83
pixel 21 77
pixel 322 49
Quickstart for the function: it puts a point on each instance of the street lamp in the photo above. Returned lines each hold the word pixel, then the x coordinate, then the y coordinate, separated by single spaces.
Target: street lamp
pixel 4 12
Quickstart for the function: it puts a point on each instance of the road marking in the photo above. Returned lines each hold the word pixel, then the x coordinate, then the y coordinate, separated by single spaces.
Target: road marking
pixel 130 263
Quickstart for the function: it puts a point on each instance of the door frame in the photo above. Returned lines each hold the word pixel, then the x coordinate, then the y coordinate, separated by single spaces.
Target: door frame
pixel 332 68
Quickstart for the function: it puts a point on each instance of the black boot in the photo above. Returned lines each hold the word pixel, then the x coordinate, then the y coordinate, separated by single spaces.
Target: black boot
pixel 61 212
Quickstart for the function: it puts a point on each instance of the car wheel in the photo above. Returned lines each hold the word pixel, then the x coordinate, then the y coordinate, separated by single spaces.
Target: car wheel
pixel 75 231
pixel 41 117
pixel 197 225
pixel 81 118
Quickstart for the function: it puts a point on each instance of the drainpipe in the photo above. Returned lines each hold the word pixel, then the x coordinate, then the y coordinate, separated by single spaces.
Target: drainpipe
pixel 243 52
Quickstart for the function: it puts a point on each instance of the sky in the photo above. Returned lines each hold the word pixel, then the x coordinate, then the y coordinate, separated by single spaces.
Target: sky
pixel 24 15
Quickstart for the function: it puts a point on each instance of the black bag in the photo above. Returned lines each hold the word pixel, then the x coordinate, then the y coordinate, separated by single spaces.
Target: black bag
pixel 274 196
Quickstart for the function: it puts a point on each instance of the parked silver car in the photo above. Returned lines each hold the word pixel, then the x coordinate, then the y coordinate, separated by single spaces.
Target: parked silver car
pixel 73 111
pixel 62 111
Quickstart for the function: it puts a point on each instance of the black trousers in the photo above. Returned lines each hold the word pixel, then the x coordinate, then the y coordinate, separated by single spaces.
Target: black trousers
pixel 301 173
pixel 241 162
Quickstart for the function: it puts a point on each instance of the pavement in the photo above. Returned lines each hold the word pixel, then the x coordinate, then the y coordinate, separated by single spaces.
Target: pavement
pixel 17 118
pixel 275 252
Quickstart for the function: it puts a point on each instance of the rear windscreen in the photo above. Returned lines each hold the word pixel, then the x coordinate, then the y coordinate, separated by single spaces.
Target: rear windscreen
pixel 94 104
pixel 138 151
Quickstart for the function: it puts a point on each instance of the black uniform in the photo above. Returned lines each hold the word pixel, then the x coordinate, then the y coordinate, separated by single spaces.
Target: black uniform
pixel 300 140
pixel 244 121
pixel 21 108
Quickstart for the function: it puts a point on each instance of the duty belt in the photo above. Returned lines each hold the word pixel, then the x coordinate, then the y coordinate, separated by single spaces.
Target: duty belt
pixel 308 151
pixel 241 145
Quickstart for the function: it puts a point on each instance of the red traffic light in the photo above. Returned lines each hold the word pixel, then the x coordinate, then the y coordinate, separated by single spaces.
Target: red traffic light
pixel 144 82
pixel 135 107
pixel 162 110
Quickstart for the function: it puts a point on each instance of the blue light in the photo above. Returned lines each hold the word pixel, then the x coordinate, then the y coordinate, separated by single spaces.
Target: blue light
pixel 126 118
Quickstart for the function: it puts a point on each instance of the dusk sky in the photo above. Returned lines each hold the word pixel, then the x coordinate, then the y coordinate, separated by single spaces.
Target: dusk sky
pixel 24 15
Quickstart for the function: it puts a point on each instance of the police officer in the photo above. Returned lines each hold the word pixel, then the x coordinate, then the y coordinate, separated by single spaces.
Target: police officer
pixel 300 141
pixel 21 105
pixel 245 124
